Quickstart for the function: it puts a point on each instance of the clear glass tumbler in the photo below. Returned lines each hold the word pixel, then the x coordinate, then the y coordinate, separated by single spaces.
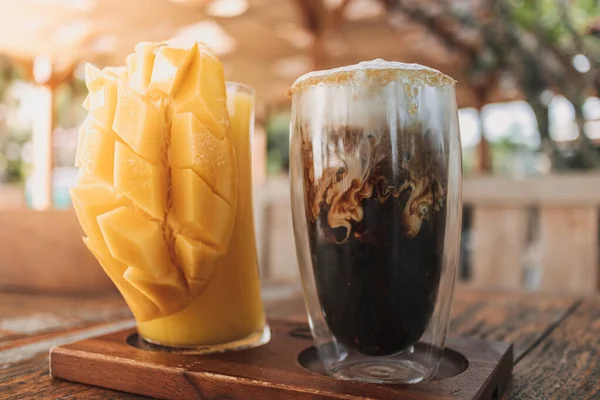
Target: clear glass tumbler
pixel 375 159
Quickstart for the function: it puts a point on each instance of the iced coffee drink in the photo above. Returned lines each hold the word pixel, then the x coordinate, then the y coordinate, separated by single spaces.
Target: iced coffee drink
pixel 376 174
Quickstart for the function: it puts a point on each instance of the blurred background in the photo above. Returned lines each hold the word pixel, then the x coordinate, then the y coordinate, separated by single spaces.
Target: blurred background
pixel 528 86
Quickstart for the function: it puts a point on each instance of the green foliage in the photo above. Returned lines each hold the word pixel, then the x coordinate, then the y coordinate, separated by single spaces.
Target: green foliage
pixel 278 142
pixel 552 16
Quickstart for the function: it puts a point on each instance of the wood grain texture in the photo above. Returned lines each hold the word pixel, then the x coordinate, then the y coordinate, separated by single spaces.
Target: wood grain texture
pixel 574 190
pixel 498 247
pixel 25 318
pixel 525 318
pixel 30 380
pixel 520 318
pixel 569 249
pixel 43 250
pixel 566 363
pixel 268 372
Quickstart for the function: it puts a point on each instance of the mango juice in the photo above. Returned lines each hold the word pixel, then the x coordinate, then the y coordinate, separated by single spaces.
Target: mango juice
pixel 230 309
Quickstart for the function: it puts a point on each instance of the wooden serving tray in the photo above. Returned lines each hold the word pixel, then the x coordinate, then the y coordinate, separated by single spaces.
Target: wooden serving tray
pixel 285 368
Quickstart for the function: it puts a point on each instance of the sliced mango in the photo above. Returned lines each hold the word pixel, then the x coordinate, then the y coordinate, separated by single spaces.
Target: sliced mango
pixel 203 82
pixel 119 73
pixel 192 198
pixel 195 147
pixel 142 182
pixel 86 103
pixel 102 95
pixel 170 67
pixel 139 123
pixel 130 64
pixel 96 151
pixel 143 65
pixel 196 106
pixel 84 179
pixel 136 241
pixel 157 188
pixel 141 306
pixel 80 138
pixel 93 200
pixel 168 292
pixel 198 260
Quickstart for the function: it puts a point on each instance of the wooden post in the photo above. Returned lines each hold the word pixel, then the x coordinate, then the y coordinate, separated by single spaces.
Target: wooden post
pixel 47 78
pixel 43 154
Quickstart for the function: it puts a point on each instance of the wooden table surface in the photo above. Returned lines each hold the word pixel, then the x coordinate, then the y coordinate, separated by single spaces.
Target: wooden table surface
pixel 556 339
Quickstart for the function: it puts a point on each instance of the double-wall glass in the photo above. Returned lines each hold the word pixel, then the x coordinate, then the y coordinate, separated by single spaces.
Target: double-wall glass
pixel 376 199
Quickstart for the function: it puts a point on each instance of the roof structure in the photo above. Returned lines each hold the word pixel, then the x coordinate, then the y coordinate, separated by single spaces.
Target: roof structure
pixel 268 45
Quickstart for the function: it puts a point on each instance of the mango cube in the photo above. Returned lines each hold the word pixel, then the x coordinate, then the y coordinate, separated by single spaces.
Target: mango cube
pixel 119 73
pixel 141 306
pixel 136 241
pixel 102 95
pixel 196 105
pixel 86 103
pixel 192 200
pixel 139 123
pixel 130 64
pixel 93 200
pixel 96 150
pixel 198 260
pixel 170 67
pixel 80 139
pixel 142 182
pixel 194 147
pixel 168 292
pixel 204 77
pixel 143 65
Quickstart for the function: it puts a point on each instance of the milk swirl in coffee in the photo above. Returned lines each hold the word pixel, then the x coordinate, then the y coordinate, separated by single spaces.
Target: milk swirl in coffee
pixel 375 179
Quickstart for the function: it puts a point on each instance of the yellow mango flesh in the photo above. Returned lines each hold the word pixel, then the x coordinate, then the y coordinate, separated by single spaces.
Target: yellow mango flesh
pixel 102 96
pixel 138 123
pixel 96 149
pixel 170 67
pixel 141 70
pixel 168 292
pixel 192 253
pixel 157 190
pixel 135 240
pixel 142 182
pixel 190 140
pixel 140 305
pixel 199 211
pixel 91 200
pixel 202 94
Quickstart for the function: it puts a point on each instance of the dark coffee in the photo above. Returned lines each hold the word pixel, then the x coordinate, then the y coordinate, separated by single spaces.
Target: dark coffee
pixel 376 230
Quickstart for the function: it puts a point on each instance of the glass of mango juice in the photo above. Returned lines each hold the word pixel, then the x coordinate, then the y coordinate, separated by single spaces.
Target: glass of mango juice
pixel 164 196
pixel 229 314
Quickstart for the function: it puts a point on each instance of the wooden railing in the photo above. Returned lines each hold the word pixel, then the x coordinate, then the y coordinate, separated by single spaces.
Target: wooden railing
pixel 537 233
pixel 546 227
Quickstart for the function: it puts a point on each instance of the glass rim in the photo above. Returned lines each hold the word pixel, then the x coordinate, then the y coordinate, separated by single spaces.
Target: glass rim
pixel 244 87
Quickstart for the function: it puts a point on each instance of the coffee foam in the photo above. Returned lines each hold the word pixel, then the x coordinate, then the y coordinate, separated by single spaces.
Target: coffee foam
pixel 376 72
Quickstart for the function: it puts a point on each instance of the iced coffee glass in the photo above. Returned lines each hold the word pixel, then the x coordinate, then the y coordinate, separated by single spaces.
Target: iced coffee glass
pixel 376 197
pixel 229 314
